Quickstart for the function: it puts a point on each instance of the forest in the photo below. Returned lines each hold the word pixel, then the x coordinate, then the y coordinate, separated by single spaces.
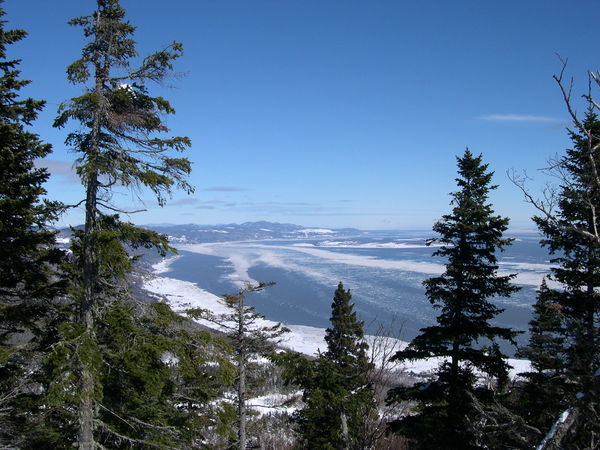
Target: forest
pixel 87 361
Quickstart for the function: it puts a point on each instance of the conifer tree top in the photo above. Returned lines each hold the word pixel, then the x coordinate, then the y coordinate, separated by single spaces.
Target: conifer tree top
pixel 122 142
pixel 344 338
pixel 471 235
pixel 24 216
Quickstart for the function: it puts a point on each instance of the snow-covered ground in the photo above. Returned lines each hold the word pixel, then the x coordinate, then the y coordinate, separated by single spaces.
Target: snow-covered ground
pixel 275 403
pixel 308 340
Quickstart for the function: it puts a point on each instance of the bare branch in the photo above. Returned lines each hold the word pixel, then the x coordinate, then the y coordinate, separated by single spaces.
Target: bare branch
pixel 63 206
pixel 104 205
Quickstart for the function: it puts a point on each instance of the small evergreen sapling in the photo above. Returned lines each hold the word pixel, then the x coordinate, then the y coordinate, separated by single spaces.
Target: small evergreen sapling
pixel 544 394
pixel 338 397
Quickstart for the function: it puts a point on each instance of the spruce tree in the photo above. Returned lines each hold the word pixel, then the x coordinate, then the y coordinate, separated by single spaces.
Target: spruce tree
pixel 28 258
pixel 118 145
pixel 337 394
pixel 543 395
pixel 470 236
pixel 569 235
pixel 345 338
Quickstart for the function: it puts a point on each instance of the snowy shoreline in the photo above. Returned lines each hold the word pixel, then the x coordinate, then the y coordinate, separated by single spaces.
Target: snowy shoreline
pixel 304 339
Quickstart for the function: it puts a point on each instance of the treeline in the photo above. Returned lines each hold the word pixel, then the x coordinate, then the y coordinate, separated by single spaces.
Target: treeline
pixel 85 364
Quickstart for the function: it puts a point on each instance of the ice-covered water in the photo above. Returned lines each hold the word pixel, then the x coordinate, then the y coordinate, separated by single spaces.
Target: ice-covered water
pixel 384 273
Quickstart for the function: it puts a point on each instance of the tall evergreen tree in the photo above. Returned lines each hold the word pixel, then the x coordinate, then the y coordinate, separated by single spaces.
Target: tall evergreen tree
pixel 28 257
pixel 470 237
pixel 569 235
pixel 117 143
pixel 337 392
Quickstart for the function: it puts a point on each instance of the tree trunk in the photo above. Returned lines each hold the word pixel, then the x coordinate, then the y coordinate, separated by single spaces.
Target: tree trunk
pixel 345 436
pixel 86 382
pixel 86 411
pixel 241 385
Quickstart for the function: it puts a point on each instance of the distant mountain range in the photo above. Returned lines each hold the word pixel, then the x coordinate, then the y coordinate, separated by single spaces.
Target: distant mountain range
pixel 192 233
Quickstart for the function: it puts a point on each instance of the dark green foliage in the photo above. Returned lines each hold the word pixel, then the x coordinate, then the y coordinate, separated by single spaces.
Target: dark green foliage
pixel 346 347
pixel 544 394
pixel 26 245
pixel 29 282
pixel 137 387
pixel 157 386
pixel 337 393
pixel 449 404
pixel 569 235
pixel 546 343
pixel 158 380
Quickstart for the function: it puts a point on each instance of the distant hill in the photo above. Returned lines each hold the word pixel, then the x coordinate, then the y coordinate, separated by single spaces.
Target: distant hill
pixel 192 233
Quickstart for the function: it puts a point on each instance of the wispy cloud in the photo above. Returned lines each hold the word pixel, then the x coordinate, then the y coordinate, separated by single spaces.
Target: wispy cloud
pixel 57 167
pixel 184 201
pixel 201 204
pixel 519 118
pixel 278 208
pixel 275 208
pixel 225 189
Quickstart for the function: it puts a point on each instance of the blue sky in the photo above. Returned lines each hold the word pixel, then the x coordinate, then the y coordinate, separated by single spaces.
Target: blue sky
pixel 333 113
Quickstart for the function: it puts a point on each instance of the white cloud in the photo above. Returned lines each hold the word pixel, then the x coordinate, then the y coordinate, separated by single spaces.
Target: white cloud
pixel 519 118
pixel 58 167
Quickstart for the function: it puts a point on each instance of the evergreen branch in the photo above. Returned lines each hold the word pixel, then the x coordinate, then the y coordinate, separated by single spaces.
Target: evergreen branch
pixel 131 440
pixel 115 414
pixel 168 428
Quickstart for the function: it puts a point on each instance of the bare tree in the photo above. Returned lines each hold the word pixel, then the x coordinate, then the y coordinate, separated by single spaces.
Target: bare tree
pixel 546 203
pixel 383 374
